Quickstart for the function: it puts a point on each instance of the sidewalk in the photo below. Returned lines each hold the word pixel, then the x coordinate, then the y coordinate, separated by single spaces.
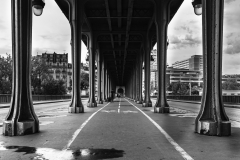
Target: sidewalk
pixel 7 105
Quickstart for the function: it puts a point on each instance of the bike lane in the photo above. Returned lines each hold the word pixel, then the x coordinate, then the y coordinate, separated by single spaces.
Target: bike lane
pixel 120 130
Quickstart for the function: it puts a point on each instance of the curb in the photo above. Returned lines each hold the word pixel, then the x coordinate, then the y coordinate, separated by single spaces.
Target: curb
pixel 37 103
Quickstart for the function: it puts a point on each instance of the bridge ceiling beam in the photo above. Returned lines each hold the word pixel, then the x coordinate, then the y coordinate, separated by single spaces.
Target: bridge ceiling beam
pixel 120 26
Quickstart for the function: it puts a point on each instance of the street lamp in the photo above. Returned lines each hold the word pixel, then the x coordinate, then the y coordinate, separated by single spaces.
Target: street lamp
pixel 197 5
pixel 38 6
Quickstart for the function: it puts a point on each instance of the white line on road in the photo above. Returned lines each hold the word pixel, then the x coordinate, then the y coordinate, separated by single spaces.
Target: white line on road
pixel 119 106
pixel 80 128
pixel 183 153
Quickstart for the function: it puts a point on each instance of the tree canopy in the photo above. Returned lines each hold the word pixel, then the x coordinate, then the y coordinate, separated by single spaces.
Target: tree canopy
pixel 40 73
pixel 84 80
pixel 231 84
pixel 5 74
pixel 54 87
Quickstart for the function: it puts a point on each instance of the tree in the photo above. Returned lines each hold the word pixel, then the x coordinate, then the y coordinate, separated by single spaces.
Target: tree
pixel 84 80
pixel 54 87
pixel 40 73
pixel 6 74
pixel 231 84
pixel 179 88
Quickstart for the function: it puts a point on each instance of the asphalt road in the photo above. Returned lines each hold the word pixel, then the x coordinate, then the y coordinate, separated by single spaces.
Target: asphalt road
pixel 119 130
pixel 233 113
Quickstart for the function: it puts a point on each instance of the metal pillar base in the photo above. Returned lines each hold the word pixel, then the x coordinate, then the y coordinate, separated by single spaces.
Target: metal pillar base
pixel 23 128
pixel 139 102
pixel 100 102
pixel 147 104
pixel 75 110
pixel 161 110
pixel 210 128
pixel 92 105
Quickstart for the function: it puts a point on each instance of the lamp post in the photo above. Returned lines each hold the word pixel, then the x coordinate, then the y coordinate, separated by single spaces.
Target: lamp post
pixel 197 5
pixel 38 6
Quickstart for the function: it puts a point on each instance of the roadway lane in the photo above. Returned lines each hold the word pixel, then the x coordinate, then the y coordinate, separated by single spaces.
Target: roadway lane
pixel 40 108
pixel 233 113
pixel 122 128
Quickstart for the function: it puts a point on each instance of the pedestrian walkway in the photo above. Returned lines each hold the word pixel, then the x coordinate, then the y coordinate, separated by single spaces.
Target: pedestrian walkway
pixel 120 130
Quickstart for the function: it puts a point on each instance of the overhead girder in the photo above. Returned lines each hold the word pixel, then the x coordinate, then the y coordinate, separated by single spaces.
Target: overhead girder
pixel 120 27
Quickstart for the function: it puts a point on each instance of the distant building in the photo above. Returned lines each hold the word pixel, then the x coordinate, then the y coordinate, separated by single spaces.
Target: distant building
pixel 193 63
pixel 174 75
pixel 153 69
pixel 60 68
pixel 186 71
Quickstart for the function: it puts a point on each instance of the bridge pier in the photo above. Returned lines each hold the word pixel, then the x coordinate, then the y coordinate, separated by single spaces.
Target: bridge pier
pixel 147 101
pixel 99 62
pixel 139 101
pixel 212 118
pixel 21 118
pixel 161 20
pixel 92 49
pixel 76 22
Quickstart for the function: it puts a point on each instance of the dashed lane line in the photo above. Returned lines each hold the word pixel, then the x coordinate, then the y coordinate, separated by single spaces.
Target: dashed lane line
pixel 119 106
pixel 182 152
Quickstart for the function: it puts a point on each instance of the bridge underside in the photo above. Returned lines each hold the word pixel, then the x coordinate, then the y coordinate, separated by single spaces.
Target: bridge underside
pixel 120 28
pixel 119 35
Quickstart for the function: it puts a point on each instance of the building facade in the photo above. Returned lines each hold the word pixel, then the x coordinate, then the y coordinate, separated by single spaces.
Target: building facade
pixel 60 68
pixel 186 71
pixel 195 62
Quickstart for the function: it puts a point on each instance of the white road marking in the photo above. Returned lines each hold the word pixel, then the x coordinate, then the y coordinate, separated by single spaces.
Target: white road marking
pixel 183 153
pixel 80 128
pixel 108 111
pixel 130 111
pixel 119 106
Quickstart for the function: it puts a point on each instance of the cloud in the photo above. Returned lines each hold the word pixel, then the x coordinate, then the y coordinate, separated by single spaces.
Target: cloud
pixel 231 45
pixel 187 41
pixel 187 29
pixel 229 1
pixel 5 49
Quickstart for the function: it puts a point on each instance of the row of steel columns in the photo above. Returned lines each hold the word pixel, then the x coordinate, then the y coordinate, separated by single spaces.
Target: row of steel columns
pixel 104 79
pixel 211 120
pixel 21 118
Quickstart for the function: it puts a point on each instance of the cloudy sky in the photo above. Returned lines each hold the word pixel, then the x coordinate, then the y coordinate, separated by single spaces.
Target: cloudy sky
pixel 51 32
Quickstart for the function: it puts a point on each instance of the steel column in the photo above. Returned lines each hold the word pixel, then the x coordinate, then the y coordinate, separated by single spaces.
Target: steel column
pixel 147 101
pixel 99 62
pixel 76 22
pixel 162 19
pixel 106 86
pixel 140 79
pixel 103 80
pixel 21 118
pixel 137 80
pixel 92 49
pixel 212 119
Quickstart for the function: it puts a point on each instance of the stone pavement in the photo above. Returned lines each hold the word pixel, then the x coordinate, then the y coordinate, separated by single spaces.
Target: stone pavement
pixel 119 130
